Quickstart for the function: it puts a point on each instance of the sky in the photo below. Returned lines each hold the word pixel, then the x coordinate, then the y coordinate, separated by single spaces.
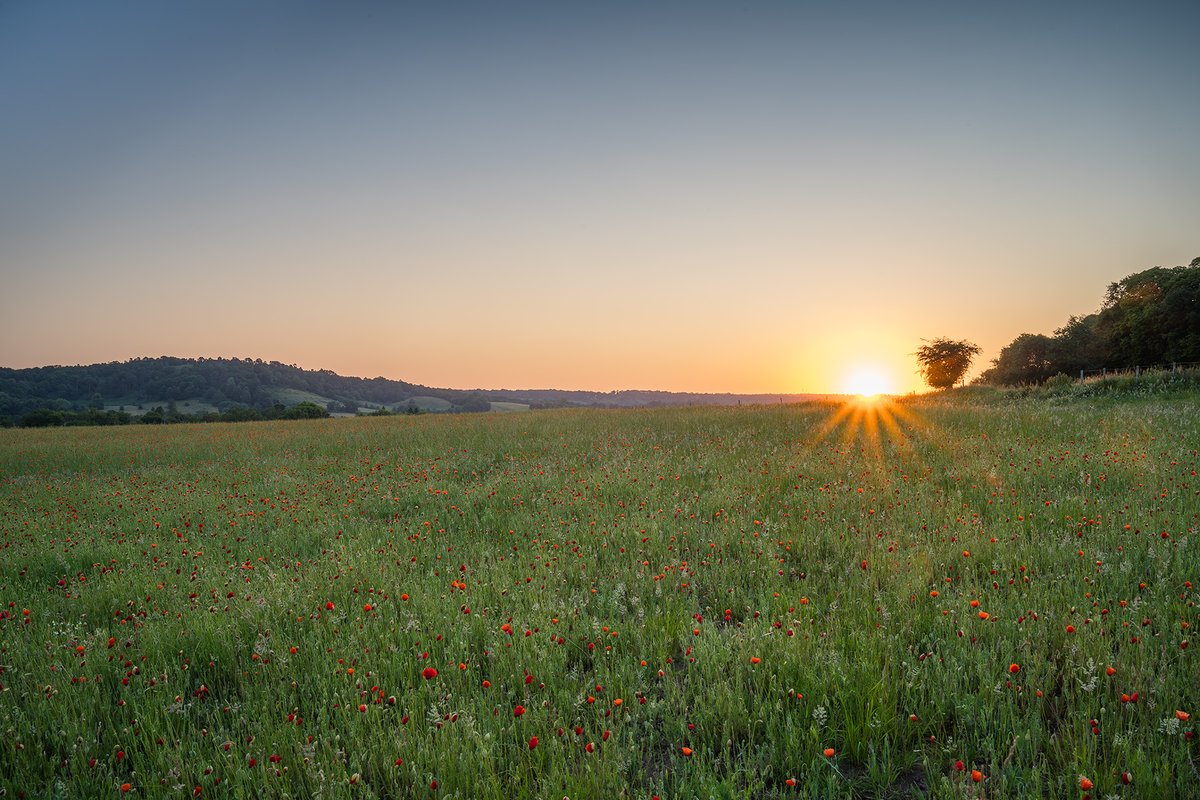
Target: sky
pixel 692 196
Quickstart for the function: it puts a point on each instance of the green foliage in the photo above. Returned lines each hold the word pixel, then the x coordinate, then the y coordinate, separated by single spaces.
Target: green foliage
pixel 1153 316
pixel 305 410
pixel 42 418
pixel 1028 359
pixel 943 362
pixel 474 402
pixel 1173 384
pixel 1148 318
pixel 45 417
pixel 1079 345
pixel 224 383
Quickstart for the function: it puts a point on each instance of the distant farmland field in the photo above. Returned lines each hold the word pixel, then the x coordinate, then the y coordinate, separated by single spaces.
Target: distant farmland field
pixel 927 600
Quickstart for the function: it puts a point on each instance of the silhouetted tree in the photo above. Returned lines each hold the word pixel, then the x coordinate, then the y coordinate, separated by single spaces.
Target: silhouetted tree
pixel 1079 345
pixel 1153 316
pixel 1028 359
pixel 942 362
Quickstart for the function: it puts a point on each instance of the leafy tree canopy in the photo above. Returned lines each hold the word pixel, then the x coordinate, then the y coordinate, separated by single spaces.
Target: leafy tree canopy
pixel 1153 316
pixel 1148 318
pixel 942 362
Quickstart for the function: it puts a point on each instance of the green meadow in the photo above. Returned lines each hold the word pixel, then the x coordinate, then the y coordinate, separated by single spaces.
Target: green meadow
pixel 942 599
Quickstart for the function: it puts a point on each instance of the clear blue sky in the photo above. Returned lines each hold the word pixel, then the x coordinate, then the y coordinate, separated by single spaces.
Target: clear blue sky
pixel 691 196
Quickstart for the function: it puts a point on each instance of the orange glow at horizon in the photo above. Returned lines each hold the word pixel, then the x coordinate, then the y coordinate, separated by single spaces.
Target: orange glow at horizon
pixel 534 198
pixel 868 381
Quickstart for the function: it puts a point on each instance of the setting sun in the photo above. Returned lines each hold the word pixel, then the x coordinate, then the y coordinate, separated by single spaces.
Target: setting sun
pixel 867 381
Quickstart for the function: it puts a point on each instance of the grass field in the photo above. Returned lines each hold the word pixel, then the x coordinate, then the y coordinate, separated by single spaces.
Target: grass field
pixel 510 406
pixel 931 600
pixel 193 406
pixel 290 397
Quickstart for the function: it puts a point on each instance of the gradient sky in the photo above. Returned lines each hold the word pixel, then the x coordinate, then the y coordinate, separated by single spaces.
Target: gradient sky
pixel 693 196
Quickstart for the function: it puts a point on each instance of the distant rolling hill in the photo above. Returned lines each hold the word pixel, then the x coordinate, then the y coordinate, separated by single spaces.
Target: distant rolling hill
pixel 213 385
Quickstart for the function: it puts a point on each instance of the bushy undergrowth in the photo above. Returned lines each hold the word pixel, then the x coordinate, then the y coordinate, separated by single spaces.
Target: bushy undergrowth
pixel 1181 384
pixel 938 599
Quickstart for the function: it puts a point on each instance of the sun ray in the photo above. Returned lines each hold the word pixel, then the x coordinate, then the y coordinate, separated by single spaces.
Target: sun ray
pixel 875 419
